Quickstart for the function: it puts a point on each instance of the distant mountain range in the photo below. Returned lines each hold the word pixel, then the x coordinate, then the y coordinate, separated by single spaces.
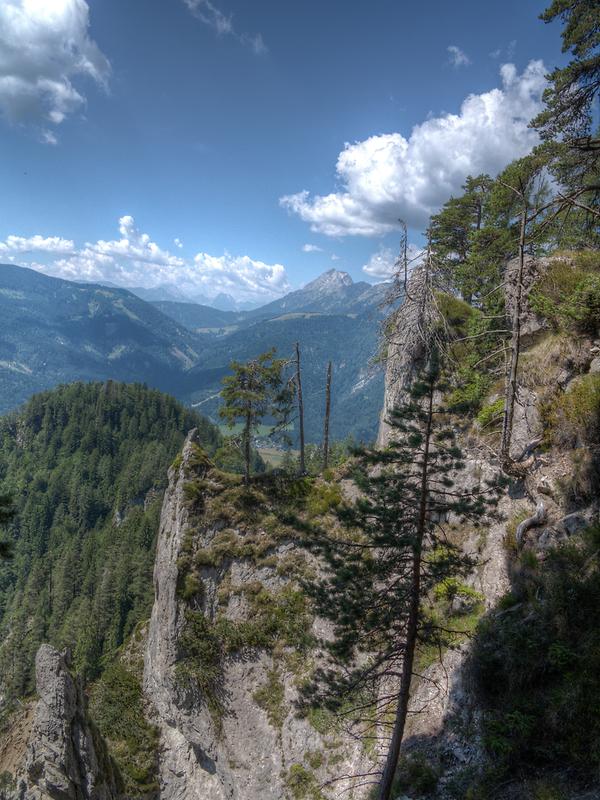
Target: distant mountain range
pixel 333 292
pixel 221 302
pixel 57 331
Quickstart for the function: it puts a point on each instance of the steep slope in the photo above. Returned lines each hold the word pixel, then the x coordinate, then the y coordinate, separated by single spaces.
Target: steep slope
pixel 503 717
pixel 230 641
pixel 66 758
pixel 56 331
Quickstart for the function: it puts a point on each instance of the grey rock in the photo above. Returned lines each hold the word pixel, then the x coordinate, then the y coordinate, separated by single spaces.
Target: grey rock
pixel 595 365
pixel 407 347
pixel 66 757
pixel 573 523
pixel 244 757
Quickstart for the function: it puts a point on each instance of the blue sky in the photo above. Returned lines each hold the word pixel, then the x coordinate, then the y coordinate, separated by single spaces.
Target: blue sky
pixel 202 144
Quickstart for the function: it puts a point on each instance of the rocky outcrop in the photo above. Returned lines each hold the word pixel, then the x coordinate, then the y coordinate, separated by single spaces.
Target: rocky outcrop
pixel 408 337
pixel 66 758
pixel 254 745
pixel 445 719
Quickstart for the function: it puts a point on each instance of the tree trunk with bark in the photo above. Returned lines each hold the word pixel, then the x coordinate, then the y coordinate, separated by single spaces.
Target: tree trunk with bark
pixel 300 410
pixel 515 351
pixel 327 415
pixel 412 626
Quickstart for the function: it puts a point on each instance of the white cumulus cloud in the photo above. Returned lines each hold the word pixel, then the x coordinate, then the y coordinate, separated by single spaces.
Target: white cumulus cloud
pixel 240 276
pixel 388 176
pixel 311 248
pixel 135 259
pixel 384 262
pixel 458 57
pixel 44 46
pixel 36 244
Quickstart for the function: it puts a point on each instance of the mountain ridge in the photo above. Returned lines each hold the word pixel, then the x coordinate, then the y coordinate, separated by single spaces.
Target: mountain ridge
pixel 59 331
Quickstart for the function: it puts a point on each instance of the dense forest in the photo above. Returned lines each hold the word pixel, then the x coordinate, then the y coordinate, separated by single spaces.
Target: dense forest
pixel 87 465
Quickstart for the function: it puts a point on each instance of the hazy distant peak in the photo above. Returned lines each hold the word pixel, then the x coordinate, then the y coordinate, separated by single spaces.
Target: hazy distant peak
pixel 331 280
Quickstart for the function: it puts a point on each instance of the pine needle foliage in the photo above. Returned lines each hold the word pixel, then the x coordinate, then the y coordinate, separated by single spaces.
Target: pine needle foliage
pixel 381 572
pixel 7 512
pixel 253 391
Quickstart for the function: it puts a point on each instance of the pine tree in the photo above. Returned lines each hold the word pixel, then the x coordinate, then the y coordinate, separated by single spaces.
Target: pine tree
pixel 574 89
pixel 254 391
pixel 452 233
pixel 380 576
pixel 7 512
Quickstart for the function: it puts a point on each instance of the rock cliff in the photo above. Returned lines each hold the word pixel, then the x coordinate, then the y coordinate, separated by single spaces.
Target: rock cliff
pixel 65 757
pixel 539 509
pixel 228 726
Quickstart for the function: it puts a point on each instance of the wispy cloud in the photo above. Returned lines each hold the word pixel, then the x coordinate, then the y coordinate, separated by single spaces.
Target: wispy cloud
pixel 507 53
pixel 135 259
pixel 311 248
pixel 221 22
pixel 458 57
pixel 383 263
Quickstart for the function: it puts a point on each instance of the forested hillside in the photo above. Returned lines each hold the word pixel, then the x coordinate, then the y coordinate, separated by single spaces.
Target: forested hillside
pixel 55 331
pixel 87 465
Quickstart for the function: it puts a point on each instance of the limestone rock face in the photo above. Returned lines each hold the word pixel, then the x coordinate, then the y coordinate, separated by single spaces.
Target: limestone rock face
pixel 445 718
pixel 243 755
pixel 406 347
pixel 66 757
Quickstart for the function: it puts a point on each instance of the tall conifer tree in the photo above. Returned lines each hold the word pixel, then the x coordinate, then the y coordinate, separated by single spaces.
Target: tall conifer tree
pixel 254 391
pixel 380 576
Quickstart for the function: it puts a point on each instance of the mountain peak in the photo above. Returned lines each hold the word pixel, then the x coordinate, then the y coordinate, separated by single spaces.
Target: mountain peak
pixel 331 280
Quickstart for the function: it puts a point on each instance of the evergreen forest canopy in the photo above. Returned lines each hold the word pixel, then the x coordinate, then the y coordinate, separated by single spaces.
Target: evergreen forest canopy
pixel 87 465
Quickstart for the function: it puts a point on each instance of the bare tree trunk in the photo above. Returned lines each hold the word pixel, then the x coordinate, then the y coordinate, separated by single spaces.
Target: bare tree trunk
pixel 300 410
pixel 515 350
pixel 412 626
pixel 327 415
pixel 247 431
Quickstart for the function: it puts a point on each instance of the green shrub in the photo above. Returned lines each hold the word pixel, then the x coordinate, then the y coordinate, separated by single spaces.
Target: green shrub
pixel 537 666
pixel 415 775
pixel 200 663
pixel 314 758
pixel 8 782
pixel 323 498
pixel 302 784
pixel 490 413
pixel 568 295
pixel 510 535
pixel 271 698
pixel 450 588
pixel 469 394
pixel 117 708
pixel 572 418
pixel 275 619
pixel 192 587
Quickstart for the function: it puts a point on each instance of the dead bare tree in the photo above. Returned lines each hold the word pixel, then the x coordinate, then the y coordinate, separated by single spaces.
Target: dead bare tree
pixel 300 410
pixel 327 416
